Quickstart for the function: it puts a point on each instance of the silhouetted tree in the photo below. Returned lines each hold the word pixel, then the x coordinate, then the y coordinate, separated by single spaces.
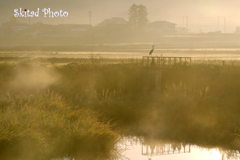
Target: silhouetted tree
pixel 138 16
pixel 133 15
pixel 142 16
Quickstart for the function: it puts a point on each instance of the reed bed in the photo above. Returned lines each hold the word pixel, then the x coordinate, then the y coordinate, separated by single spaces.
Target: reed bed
pixel 56 112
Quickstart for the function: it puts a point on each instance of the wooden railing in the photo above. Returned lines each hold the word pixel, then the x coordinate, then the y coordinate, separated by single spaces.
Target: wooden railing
pixel 165 62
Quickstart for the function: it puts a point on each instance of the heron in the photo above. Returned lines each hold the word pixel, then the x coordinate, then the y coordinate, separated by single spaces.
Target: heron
pixel 150 53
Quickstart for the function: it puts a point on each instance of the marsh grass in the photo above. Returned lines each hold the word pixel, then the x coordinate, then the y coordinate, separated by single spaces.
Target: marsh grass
pixel 43 126
pixel 198 104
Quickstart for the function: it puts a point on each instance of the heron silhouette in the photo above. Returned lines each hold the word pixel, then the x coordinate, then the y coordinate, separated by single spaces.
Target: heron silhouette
pixel 150 53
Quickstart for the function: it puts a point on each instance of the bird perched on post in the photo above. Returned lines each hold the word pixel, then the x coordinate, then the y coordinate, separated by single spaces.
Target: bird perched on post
pixel 150 53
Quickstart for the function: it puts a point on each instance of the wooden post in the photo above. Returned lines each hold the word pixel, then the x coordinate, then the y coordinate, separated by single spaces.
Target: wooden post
pixel 146 80
pixel 158 81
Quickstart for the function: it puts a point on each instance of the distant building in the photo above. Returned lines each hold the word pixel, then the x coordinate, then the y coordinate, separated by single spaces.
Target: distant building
pixel 114 27
pixel 237 29
pixel 19 26
pixel 112 21
pixel 13 29
pixel 75 27
pixel 39 26
pixel 16 26
pixel 161 28
pixel 68 30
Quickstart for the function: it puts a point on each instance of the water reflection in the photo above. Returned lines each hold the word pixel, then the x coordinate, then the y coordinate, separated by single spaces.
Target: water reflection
pixel 231 155
pixel 142 149
pixel 163 149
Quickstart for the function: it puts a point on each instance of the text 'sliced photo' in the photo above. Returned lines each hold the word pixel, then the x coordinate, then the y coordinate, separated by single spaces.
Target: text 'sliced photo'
pixel 47 13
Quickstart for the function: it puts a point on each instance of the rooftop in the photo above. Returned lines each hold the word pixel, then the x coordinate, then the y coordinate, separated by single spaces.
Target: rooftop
pixel 161 23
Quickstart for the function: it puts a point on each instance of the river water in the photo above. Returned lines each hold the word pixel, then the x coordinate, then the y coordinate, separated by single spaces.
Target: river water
pixel 136 149
pixel 202 55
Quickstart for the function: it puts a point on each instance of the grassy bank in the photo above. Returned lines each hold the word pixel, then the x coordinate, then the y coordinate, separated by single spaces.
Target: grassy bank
pixel 43 126
pixel 198 104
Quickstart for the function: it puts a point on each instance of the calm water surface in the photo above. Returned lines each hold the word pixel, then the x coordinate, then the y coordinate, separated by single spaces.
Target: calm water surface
pixel 136 149
pixel 209 54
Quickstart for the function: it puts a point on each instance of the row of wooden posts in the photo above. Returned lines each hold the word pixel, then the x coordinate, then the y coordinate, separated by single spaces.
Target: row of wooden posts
pixel 154 67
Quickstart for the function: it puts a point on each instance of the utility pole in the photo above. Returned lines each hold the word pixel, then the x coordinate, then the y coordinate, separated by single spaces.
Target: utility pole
pixel 218 24
pixel 90 16
pixel 225 25
pixel 183 30
pixel 187 24
pixel 183 22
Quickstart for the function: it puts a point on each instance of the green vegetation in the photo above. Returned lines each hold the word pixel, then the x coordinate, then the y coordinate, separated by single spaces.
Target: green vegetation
pixel 52 109
pixel 43 126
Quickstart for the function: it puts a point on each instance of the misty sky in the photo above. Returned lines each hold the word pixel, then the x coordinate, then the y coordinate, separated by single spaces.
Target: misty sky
pixel 203 14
